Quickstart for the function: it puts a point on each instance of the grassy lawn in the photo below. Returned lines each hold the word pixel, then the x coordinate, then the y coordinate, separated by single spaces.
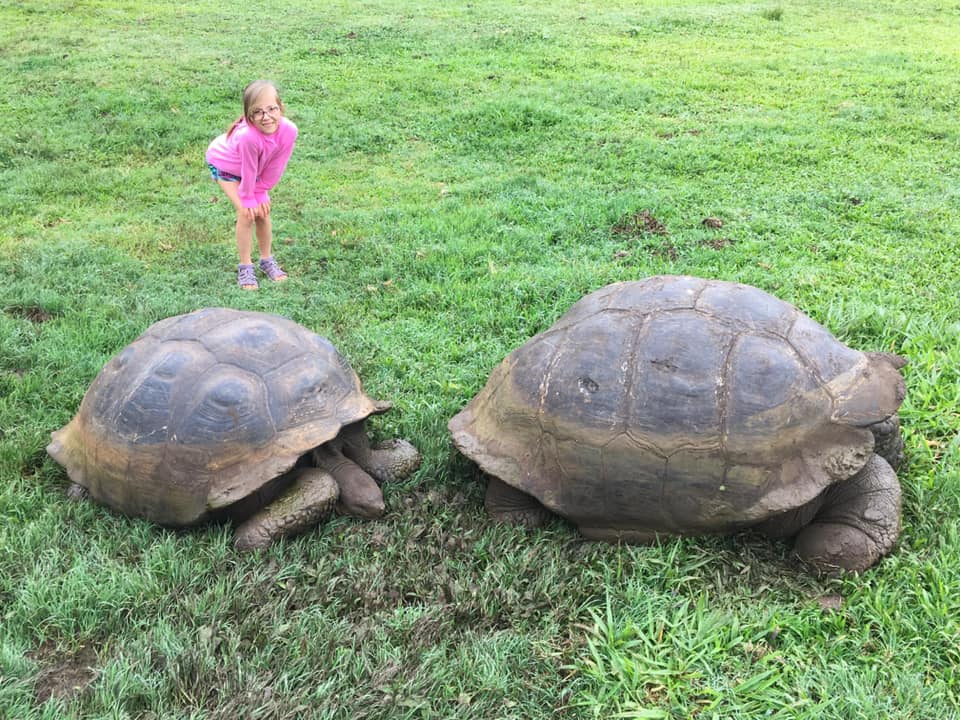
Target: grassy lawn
pixel 464 173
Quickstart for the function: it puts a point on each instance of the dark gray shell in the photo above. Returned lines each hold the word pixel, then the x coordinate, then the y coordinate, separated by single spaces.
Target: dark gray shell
pixel 203 409
pixel 678 405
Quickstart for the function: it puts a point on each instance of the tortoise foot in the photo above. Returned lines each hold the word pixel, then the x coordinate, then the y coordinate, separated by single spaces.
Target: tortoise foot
pixel 831 548
pixel 386 461
pixel 392 460
pixel 77 492
pixel 858 523
pixel 309 499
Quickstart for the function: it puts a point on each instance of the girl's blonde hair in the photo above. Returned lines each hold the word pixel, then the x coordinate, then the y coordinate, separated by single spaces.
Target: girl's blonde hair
pixel 250 94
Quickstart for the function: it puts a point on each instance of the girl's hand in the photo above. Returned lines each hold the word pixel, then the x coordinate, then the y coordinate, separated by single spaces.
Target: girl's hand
pixel 263 209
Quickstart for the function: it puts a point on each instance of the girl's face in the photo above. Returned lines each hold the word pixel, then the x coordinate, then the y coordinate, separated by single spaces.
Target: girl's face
pixel 265 113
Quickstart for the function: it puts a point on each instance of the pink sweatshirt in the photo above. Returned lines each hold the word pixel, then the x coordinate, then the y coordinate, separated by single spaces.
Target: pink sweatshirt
pixel 259 160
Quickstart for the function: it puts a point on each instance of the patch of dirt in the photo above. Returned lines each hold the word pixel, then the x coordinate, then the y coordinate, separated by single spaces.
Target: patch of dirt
pixel 830 603
pixel 712 222
pixel 639 223
pixel 717 243
pixel 33 313
pixel 63 675
pixel 667 250
pixel 667 135
pixel 33 462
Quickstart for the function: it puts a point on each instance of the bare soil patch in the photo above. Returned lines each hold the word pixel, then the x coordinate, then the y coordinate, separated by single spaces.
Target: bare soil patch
pixel 63 675
pixel 639 223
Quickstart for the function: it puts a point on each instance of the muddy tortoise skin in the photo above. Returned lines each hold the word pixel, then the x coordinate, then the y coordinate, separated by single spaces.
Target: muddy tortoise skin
pixel 225 413
pixel 677 405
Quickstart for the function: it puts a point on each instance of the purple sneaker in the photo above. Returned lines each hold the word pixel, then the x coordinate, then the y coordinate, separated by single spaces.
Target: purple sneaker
pixel 272 269
pixel 246 278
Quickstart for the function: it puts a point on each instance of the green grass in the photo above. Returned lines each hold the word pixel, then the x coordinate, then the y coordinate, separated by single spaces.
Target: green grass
pixel 464 173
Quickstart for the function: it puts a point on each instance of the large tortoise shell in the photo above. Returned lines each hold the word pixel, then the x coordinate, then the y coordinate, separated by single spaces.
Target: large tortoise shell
pixel 680 405
pixel 203 409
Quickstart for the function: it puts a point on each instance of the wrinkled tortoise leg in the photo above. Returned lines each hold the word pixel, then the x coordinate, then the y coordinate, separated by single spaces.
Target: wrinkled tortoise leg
pixel 506 504
pixel 386 461
pixel 887 440
pixel 858 521
pixel 308 499
pixel 360 495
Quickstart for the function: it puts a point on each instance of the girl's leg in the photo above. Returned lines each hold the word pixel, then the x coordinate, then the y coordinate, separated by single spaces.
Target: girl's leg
pixel 244 227
pixel 264 226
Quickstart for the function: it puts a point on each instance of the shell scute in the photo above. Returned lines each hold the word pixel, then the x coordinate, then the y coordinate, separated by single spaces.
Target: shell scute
pixel 590 390
pixel 677 375
pixel 828 357
pixel 661 294
pixel 258 344
pixel 747 307
pixel 227 406
pixel 774 400
pixel 142 411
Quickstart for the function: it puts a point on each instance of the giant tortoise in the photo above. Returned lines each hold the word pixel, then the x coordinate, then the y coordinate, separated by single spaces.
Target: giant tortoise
pixel 681 406
pixel 228 414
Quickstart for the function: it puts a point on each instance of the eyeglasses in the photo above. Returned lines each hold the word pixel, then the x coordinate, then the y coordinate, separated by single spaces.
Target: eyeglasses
pixel 261 113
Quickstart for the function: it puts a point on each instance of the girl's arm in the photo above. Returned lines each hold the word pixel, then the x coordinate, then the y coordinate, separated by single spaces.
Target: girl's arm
pixel 250 168
pixel 272 170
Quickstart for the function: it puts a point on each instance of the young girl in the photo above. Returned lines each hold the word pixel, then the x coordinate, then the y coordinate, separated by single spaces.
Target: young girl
pixel 247 161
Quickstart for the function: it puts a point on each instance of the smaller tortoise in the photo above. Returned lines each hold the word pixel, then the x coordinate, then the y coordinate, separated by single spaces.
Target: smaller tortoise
pixel 681 406
pixel 223 414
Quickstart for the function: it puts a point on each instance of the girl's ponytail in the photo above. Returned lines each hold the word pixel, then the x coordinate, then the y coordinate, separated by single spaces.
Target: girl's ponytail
pixel 234 125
